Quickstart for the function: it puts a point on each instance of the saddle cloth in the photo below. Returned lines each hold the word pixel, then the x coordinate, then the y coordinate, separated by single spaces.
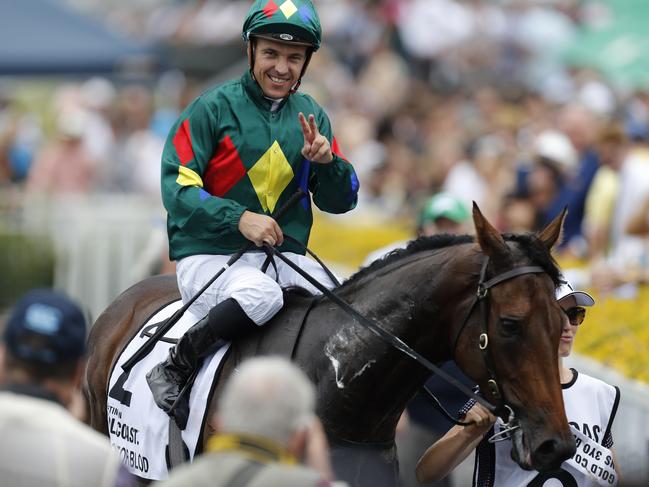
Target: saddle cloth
pixel 138 429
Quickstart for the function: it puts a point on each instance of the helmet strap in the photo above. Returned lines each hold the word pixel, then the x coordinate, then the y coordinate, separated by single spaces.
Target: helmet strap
pixel 296 86
pixel 252 43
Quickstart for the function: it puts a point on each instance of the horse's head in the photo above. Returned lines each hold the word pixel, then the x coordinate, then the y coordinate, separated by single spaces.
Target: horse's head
pixel 516 363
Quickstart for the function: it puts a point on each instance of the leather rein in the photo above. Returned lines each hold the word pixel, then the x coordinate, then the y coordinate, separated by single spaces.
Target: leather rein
pixel 481 298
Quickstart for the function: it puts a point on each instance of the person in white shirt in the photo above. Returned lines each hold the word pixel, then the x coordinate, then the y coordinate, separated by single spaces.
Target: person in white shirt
pixel 590 403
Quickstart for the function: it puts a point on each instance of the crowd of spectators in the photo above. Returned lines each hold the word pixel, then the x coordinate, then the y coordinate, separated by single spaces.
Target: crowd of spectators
pixel 466 96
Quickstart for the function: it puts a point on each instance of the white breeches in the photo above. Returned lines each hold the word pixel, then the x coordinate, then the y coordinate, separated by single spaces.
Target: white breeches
pixel 258 294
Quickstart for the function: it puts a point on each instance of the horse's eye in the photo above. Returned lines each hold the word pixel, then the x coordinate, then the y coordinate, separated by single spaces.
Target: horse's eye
pixel 509 325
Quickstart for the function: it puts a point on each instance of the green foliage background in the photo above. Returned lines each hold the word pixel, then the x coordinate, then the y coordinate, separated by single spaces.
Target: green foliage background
pixel 26 262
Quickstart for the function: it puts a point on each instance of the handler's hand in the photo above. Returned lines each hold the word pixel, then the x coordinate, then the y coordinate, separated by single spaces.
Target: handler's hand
pixel 316 146
pixel 260 229
pixel 480 418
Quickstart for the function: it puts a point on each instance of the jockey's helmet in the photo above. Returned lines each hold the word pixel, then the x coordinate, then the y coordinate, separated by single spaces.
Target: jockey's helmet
pixel 289 21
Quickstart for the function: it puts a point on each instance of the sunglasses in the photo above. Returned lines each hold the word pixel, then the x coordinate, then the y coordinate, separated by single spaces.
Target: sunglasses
pixel 576 315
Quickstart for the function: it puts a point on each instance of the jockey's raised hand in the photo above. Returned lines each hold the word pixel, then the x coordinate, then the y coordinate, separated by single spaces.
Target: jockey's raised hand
pixel 260 229
pixel 316 146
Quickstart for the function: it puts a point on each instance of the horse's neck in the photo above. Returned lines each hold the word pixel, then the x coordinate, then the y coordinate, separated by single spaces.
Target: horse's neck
pixel 365 383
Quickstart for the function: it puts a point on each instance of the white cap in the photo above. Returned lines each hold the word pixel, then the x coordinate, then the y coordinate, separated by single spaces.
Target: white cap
pixel 557 147
pixel 72 123
pixel 566 289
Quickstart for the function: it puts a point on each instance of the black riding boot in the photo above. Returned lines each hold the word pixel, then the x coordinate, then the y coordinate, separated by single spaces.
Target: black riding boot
pixel 225 322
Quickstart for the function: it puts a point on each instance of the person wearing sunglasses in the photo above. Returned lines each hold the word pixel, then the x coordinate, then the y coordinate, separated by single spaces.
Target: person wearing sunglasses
pixel 591 406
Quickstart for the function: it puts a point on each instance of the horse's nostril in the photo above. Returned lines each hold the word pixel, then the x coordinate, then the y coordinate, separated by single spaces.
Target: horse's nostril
pixel 547 448
pixel 551 453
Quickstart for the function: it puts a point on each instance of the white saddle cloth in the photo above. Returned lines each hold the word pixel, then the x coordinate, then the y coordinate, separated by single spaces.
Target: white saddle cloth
pixel 138 429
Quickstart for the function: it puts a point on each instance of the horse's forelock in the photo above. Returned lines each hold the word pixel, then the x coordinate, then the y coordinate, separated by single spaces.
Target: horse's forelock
pixel 538 254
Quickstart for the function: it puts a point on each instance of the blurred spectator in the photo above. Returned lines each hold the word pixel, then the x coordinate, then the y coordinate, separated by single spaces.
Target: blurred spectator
pixel 582 127
pixel 554 160
pixel 517 214
pixel 465 180
pixel 42 356
pixel 634 173
pixel 64 165
pixel 97 96
pixel 266 426
pixel 603 193
pixel 136 160
pixel 20 135
pixel 639 222
pixel 442 213
pixel 627 263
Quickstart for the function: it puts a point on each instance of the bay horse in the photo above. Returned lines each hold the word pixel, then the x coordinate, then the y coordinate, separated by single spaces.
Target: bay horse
pixel 425 296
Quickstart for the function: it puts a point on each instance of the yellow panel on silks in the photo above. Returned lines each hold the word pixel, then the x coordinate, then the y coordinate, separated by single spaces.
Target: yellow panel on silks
pixel 270 175
pixel 187 177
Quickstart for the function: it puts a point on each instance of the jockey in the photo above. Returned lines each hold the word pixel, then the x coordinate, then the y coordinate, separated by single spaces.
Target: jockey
pixel 236 154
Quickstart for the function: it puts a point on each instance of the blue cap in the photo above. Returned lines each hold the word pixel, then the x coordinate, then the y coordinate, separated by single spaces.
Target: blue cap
pixel 47 327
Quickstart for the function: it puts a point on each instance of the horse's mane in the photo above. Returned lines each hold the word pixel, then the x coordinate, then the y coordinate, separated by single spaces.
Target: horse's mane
pixel 529 244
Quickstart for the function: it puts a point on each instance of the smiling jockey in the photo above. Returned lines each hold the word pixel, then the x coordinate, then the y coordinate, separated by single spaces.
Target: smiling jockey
pixel 237 152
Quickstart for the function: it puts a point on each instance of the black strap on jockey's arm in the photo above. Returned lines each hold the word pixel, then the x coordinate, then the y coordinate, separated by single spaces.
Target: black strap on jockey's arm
pixel 173 319
pixel 386 336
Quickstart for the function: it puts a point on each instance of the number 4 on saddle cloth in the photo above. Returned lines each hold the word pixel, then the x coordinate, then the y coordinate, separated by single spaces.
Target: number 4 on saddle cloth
pixel 138 428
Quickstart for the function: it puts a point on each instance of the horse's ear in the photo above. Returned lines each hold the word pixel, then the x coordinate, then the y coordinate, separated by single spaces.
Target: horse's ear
pixel 553 233
pixel 490 240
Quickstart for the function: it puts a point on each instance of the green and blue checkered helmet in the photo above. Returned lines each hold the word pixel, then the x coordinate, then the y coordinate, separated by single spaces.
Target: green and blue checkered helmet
pixel 291 21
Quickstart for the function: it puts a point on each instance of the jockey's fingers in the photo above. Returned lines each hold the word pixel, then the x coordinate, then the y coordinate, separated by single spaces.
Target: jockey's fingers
pixel 313 126
pixel 306 151
pixel 279 235
pixel 324 154
pixel 306 128
pixel 317 144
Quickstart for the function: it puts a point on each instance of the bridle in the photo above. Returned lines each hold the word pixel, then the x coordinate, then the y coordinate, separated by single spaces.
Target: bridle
pixel 482 298
pixel 482 294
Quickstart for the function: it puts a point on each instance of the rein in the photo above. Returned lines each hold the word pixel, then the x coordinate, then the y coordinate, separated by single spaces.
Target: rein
pixel 481 297
pixel 384 335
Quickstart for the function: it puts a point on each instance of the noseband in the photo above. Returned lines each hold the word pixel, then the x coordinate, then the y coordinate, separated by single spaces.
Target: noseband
pixel 482 298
